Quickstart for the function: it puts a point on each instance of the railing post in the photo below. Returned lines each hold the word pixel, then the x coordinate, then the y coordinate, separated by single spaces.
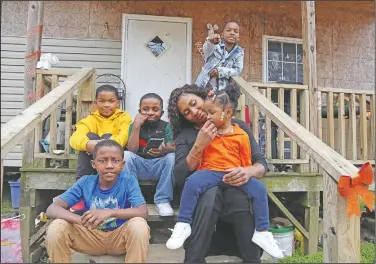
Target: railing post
pixel 33 51
pixel 309 66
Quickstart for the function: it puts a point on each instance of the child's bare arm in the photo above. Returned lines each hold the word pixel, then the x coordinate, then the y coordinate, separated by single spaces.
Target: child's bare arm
pixel 134 138
pixel 59 210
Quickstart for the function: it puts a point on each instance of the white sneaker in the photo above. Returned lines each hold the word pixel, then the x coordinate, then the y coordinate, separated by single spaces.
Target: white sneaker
pixel 164 209
pixel 180 233
pixel 266 241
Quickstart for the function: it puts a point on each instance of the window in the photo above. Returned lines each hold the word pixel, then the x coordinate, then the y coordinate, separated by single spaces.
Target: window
pixel 282 59
pixel 157 46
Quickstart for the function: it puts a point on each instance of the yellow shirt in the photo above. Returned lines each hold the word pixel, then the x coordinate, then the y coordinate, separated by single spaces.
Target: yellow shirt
pixel 117 125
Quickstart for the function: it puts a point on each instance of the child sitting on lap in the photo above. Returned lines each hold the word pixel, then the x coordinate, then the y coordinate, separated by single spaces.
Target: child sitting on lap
pixel 115 212
pixel 154 164
pixel 229 148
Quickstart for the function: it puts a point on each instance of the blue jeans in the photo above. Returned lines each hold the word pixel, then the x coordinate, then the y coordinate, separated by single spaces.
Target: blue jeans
pixel 202 180
pixel 158 169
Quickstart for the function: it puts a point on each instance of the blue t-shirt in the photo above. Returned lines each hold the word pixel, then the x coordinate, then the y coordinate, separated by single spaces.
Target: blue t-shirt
pixel 125 193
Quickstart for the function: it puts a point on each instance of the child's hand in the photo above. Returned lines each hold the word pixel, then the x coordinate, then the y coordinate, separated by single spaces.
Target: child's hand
pixel 139 120
pixel 213 73
pixel 214 38
pixel 93 218
pixel 156 153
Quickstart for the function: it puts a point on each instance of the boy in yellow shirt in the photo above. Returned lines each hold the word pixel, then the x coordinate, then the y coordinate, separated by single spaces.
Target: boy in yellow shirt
pixel 106 122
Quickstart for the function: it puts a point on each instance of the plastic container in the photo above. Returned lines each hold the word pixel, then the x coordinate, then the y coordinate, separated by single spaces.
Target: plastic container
pixel 285 237
pixel 15 193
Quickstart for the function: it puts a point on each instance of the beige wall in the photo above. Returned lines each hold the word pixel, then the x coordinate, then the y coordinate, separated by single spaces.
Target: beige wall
pixel 345 31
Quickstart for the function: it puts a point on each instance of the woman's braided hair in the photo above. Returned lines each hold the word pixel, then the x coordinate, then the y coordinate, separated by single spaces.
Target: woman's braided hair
pixel 177 120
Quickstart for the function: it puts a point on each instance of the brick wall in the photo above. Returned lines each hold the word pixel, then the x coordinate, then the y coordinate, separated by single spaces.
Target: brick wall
pixel 345 31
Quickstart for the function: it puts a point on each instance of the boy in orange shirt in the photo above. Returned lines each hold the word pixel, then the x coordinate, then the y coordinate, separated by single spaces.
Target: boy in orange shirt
pixel 229 148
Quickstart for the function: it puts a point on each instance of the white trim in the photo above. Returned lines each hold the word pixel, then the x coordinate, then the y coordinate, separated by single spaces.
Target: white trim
pixel 186 20
pixel 265 39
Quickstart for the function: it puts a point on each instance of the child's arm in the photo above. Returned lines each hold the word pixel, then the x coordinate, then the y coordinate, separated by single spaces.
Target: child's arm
pixel 79 138
pixel 169 141
pixel 134 131
pixel 235 70
pixel 122 137
pixel 210 44
pixel 59 208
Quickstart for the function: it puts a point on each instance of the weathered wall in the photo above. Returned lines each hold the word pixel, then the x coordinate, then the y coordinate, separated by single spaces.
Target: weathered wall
pixel 345 31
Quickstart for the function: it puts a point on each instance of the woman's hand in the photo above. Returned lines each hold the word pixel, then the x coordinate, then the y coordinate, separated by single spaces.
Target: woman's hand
pixel 206 134
pixel 238 176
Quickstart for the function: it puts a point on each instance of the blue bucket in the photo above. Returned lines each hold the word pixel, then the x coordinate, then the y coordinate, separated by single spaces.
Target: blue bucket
pixel 15 193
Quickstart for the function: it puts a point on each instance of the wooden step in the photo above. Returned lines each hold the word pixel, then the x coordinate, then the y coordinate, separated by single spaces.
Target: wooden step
pixel 158 253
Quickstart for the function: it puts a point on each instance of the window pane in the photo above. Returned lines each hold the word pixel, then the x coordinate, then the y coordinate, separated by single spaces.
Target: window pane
pixel 274 51
pixel 289 52
pixel 300 53
pixel 289 72
pixel 300 73
pixel 274 71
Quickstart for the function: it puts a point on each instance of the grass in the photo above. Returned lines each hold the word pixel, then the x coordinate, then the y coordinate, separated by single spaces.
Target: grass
pixel 6 207
pixel 367 255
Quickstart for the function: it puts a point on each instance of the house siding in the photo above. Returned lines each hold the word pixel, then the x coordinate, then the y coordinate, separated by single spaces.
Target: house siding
pixel 103 55
pixel 345 34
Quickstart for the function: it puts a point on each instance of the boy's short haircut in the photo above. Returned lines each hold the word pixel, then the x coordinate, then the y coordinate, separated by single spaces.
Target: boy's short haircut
pixel 152 95
pixel 107 143
pixel 107 88
pixel 230 21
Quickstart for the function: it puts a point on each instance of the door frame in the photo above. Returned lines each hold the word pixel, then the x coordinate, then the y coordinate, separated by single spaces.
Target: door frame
pixel 124 43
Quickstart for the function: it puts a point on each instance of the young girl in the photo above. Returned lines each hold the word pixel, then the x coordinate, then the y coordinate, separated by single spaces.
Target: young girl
pixel 223 59
pixel 155 163
pixel 229 148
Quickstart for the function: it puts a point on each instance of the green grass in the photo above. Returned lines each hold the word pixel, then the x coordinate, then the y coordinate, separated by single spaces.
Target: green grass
pixel 6 207
pixel 367 255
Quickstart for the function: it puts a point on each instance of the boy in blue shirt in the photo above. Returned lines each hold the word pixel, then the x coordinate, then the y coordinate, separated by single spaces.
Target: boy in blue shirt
pixel 114 222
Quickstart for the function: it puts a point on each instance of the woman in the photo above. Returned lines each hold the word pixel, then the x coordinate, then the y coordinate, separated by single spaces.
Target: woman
pixel 222 222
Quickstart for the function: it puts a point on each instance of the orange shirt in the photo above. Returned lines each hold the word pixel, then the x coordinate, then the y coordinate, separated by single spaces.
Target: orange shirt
pixel 227 151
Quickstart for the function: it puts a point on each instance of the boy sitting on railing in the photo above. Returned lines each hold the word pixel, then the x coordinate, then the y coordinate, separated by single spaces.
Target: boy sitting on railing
pixel 106 122
pixel 115 212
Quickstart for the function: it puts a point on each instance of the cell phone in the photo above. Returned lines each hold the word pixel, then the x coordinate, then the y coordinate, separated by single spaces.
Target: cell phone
pixel 153 143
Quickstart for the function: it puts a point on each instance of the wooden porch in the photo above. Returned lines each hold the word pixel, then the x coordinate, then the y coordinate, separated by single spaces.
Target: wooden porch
pixel 320 149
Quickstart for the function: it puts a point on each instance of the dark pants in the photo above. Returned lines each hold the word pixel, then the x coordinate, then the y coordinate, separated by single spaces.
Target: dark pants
pixel 222 225
pixel 84 159
pixel 202 180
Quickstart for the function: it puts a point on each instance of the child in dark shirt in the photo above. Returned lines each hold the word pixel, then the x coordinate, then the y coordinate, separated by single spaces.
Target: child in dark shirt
pixel 155 164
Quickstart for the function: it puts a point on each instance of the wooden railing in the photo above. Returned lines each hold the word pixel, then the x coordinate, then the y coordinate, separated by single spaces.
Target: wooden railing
pixel 338 122
pixel 31 119
pixel 341 233
pixel 343 112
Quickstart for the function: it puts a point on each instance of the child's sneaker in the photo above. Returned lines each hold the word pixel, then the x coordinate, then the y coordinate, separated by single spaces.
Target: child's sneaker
pixel 180 233
pixel 266 241
pixel 164 209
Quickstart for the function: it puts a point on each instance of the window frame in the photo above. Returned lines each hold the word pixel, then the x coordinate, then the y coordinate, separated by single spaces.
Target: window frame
pixel 265 40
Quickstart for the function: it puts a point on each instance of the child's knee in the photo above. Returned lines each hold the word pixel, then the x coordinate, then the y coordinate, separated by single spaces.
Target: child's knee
pixel 57 230
pixel 170 159
pixel 258 185
pixel 129 157
pixel 138 228
pixel 93 136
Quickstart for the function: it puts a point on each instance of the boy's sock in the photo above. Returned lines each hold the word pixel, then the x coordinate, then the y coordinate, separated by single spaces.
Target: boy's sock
pixel 266 241
pixel 180 233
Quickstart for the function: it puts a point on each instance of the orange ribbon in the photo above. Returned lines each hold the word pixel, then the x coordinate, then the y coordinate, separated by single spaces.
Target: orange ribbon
pixel 353 186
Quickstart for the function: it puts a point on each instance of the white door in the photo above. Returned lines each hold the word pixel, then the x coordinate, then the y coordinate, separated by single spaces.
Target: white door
pixel 157 58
